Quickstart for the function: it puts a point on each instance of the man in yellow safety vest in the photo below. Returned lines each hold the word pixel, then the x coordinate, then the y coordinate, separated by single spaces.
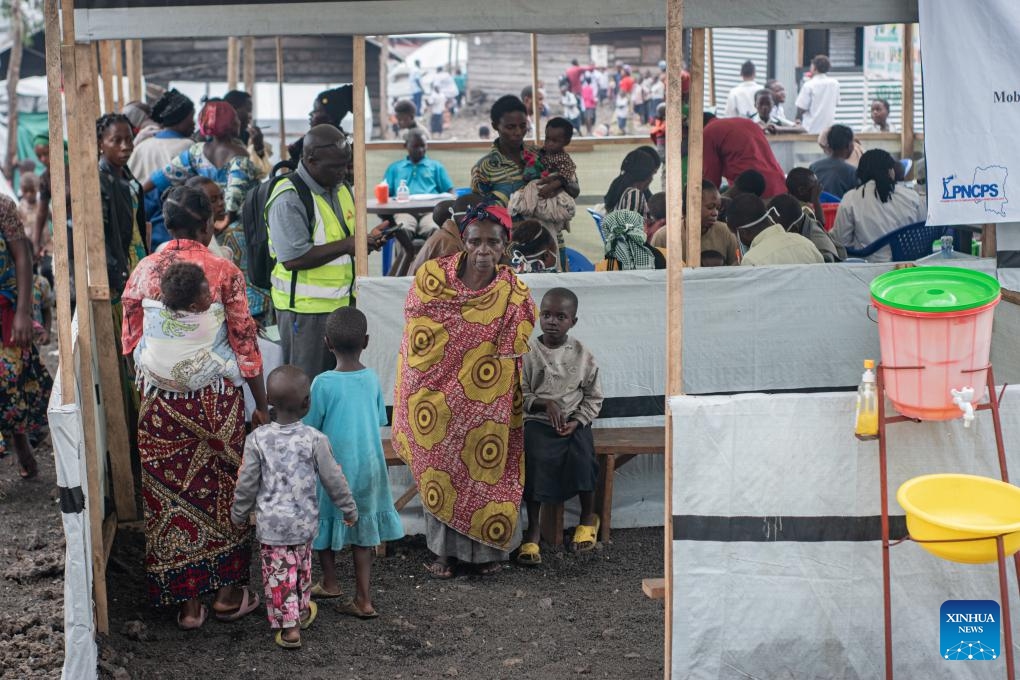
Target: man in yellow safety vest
pixel 320 253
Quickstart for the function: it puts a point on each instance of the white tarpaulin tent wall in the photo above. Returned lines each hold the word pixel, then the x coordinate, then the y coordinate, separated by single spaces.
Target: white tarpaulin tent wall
pixel 65 422
pixel 731 344
pixel 778 551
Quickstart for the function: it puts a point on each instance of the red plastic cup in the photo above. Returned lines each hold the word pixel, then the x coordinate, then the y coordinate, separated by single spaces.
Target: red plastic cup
pixel 382 193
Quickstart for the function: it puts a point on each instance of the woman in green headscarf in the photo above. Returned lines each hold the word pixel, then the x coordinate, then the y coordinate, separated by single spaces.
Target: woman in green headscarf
pixel 625 246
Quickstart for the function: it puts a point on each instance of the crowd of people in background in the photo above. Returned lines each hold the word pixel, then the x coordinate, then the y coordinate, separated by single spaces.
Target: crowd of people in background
pixel 206 242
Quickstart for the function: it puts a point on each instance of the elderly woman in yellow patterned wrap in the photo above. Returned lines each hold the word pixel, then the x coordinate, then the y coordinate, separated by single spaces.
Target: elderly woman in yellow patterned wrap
pixel 458 409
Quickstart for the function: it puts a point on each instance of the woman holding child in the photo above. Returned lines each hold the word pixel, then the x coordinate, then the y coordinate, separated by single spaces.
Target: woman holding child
pixel 194 344
pixel 468 321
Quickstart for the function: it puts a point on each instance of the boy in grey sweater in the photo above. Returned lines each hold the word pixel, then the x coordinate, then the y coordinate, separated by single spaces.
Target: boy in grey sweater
pixel 278 479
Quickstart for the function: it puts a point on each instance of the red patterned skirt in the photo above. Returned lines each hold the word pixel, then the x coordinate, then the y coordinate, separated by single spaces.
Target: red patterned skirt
pixel 191 448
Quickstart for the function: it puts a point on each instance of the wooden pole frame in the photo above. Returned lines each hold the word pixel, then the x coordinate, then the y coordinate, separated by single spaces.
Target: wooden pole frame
pixel 360 169
pixel 907 134
pixel 695 158
pixel 118 74
pixel 248 68
pixel 58 189
pixel 106 73
pixel 133 69
pixel 536 106
pixel 384 69
pixel 232 63
pixel 711 68
pixel 674 290
pixel 279 99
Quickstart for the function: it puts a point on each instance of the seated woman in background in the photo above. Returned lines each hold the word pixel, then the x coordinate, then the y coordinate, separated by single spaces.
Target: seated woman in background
pixel 629 191
pixel 626 246
pixel 878 206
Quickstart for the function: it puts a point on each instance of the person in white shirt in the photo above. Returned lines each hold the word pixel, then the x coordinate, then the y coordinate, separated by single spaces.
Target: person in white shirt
pixel 818 98
pixel 571 106
pixel 876 207
pixel 740 101
pixel 879 117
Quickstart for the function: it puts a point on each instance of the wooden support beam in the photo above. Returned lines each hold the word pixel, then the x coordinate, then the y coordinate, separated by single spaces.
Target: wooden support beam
pixel 692 224
pixel 384 70
pixel 118 74
pixel 989 247
pixel 248 69
pixel 536 106
pixel 78 62
pixel 711 68
pixel 132 53
pixel 654 588
pixel 674 289
pixel 279 98
pixel 109 532
pixel 360 170
pixel 907 134
pixel 58 189
pixel 232 63
pixel 106 72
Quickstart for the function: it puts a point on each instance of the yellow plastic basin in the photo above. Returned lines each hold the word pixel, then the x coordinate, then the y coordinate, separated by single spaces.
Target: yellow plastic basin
pixel 949 506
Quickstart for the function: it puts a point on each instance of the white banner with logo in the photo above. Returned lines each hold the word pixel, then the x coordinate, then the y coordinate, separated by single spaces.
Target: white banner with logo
pixel 971 110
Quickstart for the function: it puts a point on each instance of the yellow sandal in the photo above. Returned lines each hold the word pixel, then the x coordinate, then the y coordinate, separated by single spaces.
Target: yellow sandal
pixel 529 555
pixel 585 537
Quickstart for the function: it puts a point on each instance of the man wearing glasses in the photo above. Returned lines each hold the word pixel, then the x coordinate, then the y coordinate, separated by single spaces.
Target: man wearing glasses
pixel 311 233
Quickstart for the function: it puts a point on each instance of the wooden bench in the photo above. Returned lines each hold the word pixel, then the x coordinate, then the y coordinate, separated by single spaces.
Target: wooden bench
pixel 614 448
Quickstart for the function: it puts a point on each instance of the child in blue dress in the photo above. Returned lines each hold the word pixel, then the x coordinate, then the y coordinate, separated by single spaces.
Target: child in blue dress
pixel 348 407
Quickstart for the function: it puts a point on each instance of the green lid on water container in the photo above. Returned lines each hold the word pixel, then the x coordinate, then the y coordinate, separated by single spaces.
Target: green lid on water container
pixel 934 289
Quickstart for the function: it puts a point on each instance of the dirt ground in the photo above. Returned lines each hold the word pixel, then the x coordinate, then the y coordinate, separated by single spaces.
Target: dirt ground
pixel 573 616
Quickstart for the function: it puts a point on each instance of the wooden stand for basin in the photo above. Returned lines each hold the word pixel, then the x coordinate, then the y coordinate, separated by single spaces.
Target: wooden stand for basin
pixel 883 421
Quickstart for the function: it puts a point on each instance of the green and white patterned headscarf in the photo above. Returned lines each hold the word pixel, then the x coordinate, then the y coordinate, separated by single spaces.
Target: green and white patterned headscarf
pixel 625 240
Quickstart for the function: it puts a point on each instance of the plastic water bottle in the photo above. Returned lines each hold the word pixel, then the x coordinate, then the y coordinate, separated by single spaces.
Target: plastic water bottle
pixel 867 404
pixel 403 192
pixel 947 247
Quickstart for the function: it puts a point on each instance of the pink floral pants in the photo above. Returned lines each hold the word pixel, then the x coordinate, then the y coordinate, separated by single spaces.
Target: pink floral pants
pixel 287 575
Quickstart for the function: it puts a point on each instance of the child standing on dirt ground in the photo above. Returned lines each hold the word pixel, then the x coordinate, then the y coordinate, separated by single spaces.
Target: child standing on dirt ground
pixel 562 396
pixel 281 463
pixel 348 407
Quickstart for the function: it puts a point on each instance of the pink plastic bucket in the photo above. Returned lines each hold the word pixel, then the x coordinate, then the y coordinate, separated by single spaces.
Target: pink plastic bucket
pixel 927 354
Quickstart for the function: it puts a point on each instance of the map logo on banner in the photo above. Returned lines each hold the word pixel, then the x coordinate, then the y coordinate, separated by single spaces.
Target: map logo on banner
pixel 971 110
pixel 969 630
pixel 985 186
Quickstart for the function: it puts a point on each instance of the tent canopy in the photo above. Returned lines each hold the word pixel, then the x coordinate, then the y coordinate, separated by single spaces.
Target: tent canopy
pixel 121 19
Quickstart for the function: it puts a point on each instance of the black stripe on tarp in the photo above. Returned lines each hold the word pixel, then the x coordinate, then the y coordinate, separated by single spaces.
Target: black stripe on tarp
pixel 772 529
pixel 1007 259
pixel 167 4
pixel 72 500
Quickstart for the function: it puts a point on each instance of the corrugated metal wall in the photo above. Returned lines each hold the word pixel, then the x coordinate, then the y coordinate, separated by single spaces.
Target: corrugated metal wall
pixel 734 46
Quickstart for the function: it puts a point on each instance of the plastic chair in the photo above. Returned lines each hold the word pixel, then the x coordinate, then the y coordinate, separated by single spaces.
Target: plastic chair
pixel 597 216
pixel 826 197
pixel 906 243
pixel 578 262
pixel 907 164
pixel 829 211
pixel 387 256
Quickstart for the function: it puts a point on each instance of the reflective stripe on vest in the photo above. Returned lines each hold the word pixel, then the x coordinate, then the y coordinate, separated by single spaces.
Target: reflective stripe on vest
pixel 328 286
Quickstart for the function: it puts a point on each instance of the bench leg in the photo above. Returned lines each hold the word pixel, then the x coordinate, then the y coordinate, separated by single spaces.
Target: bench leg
pixel 604 495
pixel 552 524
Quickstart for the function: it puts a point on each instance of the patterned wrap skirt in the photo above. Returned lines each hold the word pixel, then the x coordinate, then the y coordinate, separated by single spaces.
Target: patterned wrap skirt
pixel 190 447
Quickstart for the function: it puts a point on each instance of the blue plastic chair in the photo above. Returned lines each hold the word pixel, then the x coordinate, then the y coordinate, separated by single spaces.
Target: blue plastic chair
pixel 907 164
pixel 826 197
pixel 907 243
pixel 387 256
pixel 578 262
pixel 597 216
